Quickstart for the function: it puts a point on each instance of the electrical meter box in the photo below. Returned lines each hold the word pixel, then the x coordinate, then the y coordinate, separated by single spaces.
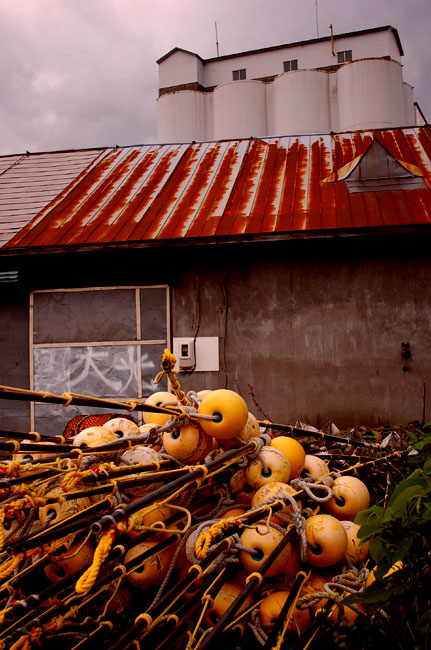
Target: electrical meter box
pixel 200 354
pixel 186 359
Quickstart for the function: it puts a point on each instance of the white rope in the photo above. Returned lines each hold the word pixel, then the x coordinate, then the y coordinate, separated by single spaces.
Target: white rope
pixel 308 485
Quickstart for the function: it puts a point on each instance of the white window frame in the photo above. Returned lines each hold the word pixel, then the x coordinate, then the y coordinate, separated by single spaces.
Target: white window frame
pixel 138 343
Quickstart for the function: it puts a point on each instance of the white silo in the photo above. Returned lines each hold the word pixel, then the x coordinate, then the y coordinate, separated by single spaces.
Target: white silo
pixel 370 95
pixel 240 110
pixel 184 116
pixel 409 106
pixel 301 102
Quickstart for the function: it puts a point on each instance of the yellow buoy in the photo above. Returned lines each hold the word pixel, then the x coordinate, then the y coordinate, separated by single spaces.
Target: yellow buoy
pixel 294 452
pixel 230 411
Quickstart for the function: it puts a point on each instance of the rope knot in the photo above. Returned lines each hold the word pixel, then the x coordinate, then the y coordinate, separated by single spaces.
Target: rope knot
pixel 310 487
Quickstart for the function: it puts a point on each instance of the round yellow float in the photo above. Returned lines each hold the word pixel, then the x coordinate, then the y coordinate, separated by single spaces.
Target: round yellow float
pixel 327 540
pixel 159 399
pixel 350 496
pixel 223 600
pixel 189 444
pixel 315 466
pixel 79 556
pixel 270 609
pixel 122 427
pixel 269 466
pixel 230 411
pixel 94 437
pixel 356 552
pixel 261 541
pixel 152 571
pixel 294 452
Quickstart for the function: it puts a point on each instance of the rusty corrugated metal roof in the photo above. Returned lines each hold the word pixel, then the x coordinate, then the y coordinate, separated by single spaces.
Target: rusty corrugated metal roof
pixel 209 189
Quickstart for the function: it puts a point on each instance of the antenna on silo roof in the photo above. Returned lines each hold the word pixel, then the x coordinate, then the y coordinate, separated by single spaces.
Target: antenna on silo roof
pixel 218 54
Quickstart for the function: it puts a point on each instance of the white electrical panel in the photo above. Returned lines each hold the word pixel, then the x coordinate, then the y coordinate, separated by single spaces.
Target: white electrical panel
pixel 200 354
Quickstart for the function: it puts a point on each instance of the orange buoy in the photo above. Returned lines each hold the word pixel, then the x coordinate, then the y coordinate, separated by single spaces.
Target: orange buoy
pixel 203 393
pixel 55 512
pixel 241 491
pixel 315 466
pixel 148 517
pixel 294 452
pixel 189 443
pixel 159 399
pixel 152 571
pixel 223 600
pixel 261 541
pixel 94 437
pixel 79 556
pixel 230 411
pixel 269 466
pixel 315 584
pixel 350 496
pixel 251 430
pixel 270 609
pixel 327 540
pixel 276 490
pixel 122 427
pixel 356 551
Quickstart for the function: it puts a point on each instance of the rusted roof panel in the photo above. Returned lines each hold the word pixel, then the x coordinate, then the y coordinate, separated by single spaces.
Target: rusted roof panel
pixel 209 189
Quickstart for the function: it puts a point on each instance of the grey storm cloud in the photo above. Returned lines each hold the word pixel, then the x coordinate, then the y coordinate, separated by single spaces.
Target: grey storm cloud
pixel 83 73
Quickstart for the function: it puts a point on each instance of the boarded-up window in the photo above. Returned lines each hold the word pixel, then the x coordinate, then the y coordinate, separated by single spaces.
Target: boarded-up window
pixel 105 342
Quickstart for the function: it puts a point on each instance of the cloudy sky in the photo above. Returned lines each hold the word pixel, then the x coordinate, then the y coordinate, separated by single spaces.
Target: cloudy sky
pixel 83 73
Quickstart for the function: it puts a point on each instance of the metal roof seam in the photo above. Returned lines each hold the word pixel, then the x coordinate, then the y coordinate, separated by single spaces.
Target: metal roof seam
pixel 12 165
pixel 206 198
pixel 212 166
pixel 191 170
pixel 117 177
pixel 144 227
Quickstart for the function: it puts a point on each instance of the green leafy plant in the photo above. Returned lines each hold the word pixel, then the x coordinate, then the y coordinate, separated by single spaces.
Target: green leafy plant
pixel 398 602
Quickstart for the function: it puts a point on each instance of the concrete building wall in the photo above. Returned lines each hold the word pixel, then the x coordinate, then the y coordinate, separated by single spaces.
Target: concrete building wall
pixel 315 339
pixel 180 68
pixel 270 62
pixel 309 330
pixel 14 356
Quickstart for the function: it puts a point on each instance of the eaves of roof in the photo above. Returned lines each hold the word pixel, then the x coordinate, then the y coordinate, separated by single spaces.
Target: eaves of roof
pixel 365 233
pixel 178 49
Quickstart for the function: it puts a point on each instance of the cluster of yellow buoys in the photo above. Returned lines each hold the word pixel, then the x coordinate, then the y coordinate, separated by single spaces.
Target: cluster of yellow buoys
pixel 275 488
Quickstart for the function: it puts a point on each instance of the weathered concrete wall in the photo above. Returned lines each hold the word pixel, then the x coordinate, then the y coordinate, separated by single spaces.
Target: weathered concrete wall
pixel 14 357
pixel 309 330
pixel 316 339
